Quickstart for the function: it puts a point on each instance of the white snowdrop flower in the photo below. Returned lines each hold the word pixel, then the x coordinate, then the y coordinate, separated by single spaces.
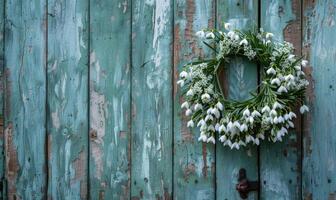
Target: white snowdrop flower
pixel 273 112
pixel 198 107
pixel 275 81
pixel 282 89
pixel 236 124
pixel 190 123
pixel 222 138
pixel 297 67
pixel 181 83
pixel 212 140
pixel 256 114
pixel 204 127
pixel 277 105
pixel 289 77
pixel 235 145
pixel 200 34
pixel 201 122
pixel 185 105
pixel 304 63
pixel 190 92
pixel 281 119
pixel 249 139
pixel 222 129
pixel 243 42
pixel 231 34
pixel 246 112
pixel 271 71
pixel 261 136
pixel 184 74
pixel 229 126
pixel 188 112
pixel 208 117
pixel 210 35
pixel 265 109
pixel 291 57
pixel 256 141
pixel 202 137
pixel 269 35
pixel 236 37
pixel 290 124
pixel 243 128
pixel 205 97
pixel 251 119
pixel 275 120
pixel 286 117
pixel 219 105
pixel 241 143
pixel 216 112
pixel 228 143
pixel 217 127
pixel 300 73
pixel 291 115
pixel 304 109
pixel 227 26
pixel 209 111
pixel 211 128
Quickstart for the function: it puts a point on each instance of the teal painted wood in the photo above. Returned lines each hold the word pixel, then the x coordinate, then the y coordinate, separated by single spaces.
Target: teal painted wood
pixel 67 99
pixel 25 133
pixel 110 99
pixel 319 46
pixel 241 78
pixel 151 170
pixel 194 162
pixel 2 84
pixel 280 163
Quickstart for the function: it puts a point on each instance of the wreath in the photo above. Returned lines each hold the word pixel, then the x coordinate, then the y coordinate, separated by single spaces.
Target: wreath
pixel 268 113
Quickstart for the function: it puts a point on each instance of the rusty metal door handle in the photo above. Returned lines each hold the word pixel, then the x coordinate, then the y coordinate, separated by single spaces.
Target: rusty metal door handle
pixel 244 186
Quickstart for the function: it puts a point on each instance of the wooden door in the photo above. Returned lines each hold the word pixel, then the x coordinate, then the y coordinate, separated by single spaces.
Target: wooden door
pixel 90 108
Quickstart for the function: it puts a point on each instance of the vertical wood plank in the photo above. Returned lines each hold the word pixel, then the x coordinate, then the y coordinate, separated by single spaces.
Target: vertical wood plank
pixel 2 81
pixel 194 162
pixel 151 171
pixel 110 98
pixel 67 99
pixel 280 163
pixel 25 133
pixel 241 79
pixel 319 46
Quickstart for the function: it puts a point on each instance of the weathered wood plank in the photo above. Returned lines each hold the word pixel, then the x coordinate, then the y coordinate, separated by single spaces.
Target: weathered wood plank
pixel 25 118
pixel 110 98
pixel 241 78
pixel 194 162
pixel 151 171
pixel 67 99
pixel 2 81
pixel 280 163
pixel 319 46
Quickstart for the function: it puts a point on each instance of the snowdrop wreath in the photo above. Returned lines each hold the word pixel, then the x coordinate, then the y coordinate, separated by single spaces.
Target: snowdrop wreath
pixel 268 114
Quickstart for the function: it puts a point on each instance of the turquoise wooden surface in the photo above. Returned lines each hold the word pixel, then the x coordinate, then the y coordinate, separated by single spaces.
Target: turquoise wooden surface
pixel 280 163
pixel 25 119
pixel 151 169
pixel 194 163
pixel 67 99
pixel 110 113
pixel 92 111
pixel 2 85
pixel 241 78
pixel 319 45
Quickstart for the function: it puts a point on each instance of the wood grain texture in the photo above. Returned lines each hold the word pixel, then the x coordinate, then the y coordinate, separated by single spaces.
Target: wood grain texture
pixel 110 99
pixel 2 84
pixel 194 162
pixel 280 163
pixel 242 78
pixel 151 169
pixel 67 99
pixel 319 46
pixel 25 133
